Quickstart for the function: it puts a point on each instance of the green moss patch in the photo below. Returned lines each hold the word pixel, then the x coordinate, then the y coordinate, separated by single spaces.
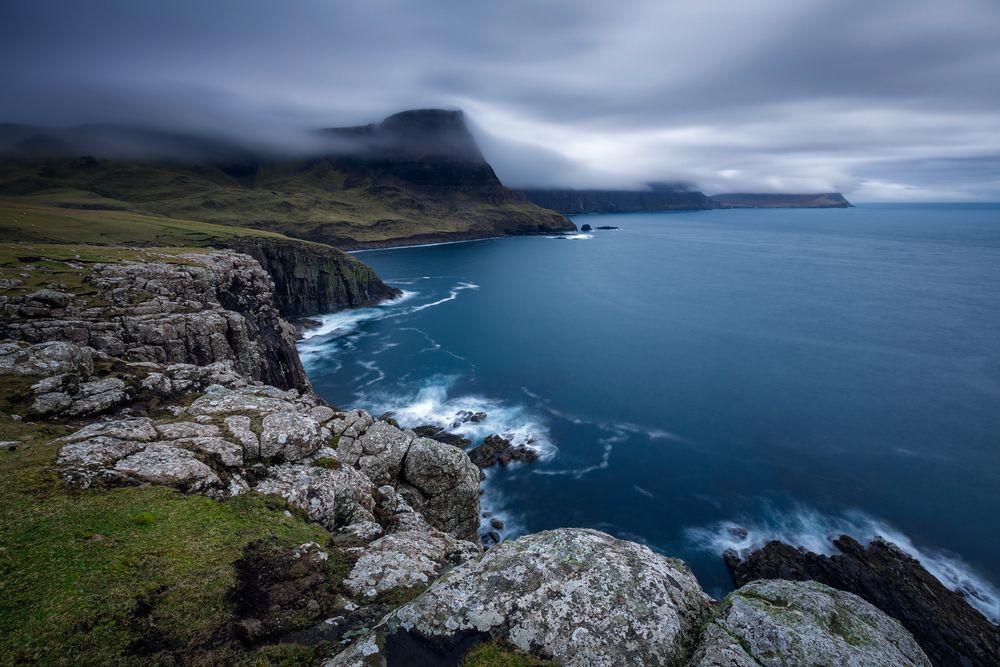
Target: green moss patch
pixel 135 575
pixel 496 654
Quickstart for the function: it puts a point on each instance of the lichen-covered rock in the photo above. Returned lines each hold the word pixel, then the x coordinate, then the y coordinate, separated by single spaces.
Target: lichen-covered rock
pixel 79 399
pixel 289 434
pixel 160 463
pixel 240 428
pixel 45 358
pixel 405 560
pixel 784 623
pixel 337 498
pixel 580 597
pixel 442 484
pixel 378 452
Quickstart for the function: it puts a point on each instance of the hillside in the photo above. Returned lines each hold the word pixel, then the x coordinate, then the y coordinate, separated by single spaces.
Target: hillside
pixel 773 200
pixel 416 177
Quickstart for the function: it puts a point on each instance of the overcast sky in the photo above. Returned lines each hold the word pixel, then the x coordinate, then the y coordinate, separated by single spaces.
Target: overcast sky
pixel 881 99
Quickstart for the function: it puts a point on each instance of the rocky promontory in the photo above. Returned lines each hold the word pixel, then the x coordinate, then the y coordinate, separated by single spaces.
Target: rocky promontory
pixel 160 391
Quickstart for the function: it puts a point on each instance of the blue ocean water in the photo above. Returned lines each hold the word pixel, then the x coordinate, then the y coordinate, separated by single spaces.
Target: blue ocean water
pixel 797 373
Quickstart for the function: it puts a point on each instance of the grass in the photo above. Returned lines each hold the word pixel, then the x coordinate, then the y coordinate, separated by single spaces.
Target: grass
pixel 84 576
pixel 320 200
pixel 495 654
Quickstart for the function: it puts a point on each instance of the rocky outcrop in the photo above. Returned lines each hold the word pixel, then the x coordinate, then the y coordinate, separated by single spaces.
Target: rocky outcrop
pixel 311 279
pixel 803 623
pixel 775 200
pixel 950 630
pixel 579 597
pixel 496 449
pixel 197 308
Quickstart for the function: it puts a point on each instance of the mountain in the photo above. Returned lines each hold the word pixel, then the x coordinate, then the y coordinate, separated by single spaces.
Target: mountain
pixel 771 200
pixel 659 197
pixel 416 177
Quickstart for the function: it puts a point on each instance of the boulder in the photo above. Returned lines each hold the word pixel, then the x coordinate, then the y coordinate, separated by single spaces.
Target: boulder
pixel 406 560
pixel 579 597
pixel 777 622
pixel 443 485
pixel 337 498
pixel 378 452
pixel 45 359
pixel 290 435
pixel 160 463
pixel 947 627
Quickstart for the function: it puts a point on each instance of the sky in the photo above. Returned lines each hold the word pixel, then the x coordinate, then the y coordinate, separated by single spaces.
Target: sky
pixel 887 100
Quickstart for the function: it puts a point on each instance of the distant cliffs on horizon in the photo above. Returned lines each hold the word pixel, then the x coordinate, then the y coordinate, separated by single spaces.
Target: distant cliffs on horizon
pixel 671 198
pixel 773 200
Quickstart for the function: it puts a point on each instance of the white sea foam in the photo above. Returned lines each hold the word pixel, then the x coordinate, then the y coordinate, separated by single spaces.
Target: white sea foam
pixel 452 295
pixel 432 404
pixel 573 237
pixel 805 527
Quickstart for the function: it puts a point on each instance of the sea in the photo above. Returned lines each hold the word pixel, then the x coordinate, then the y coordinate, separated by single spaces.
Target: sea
pixel 711 380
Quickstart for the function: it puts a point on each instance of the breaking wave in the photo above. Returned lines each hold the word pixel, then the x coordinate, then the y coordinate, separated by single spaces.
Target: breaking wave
pixel 432 404
pixel 807 528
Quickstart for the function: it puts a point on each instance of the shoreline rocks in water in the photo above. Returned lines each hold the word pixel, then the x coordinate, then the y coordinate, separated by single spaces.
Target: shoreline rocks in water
pixel 497 449
pixel 948 628
pixel 441 435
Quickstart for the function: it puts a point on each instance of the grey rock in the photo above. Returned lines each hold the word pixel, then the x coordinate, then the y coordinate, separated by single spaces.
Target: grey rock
pixel 45 358
pixel 96 397
pixel 378 453
pixel 177 430
pixel 222 452
pixel 442 484
pixel 85 462
pixel 51 403
pixel 240 429
pixel 777 622
pixel 291 435
pixel 335 498
pixel 160 463
pixel 407 559
pixel 139 430
pixel 580 597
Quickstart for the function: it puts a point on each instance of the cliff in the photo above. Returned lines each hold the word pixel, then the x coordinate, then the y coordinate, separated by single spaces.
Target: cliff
pixel 165 505
pixel 416 177
pixel 771 200
pixel 163 307
pixel 309 278
pixel 619 201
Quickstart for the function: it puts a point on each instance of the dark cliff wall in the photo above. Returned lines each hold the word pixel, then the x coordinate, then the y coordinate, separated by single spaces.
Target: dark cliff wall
pixel 618 201
pixel 312 279
pixel 777 200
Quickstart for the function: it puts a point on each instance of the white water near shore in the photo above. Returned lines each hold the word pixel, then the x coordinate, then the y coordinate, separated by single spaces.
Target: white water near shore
pixel 805 527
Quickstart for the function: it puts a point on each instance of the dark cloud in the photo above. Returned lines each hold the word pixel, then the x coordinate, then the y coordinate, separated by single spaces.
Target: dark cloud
pixel 888 99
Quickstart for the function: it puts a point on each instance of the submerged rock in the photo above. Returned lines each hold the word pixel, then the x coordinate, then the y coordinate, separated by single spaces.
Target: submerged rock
pixel 777 622
pixel 948 628
pixel 580 597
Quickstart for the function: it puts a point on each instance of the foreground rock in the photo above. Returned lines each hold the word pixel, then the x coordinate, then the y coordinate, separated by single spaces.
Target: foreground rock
pixel 803 623
pixel 496 449
pixel 577 596
pixel 950 630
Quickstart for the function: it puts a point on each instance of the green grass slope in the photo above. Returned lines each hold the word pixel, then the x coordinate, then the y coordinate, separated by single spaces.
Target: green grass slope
pixel 338 202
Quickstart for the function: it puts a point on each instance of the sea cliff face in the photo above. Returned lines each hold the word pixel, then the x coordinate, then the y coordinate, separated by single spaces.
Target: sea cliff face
pixel 156 369
pixel 773 200
pixel 311 279
pixel 619 201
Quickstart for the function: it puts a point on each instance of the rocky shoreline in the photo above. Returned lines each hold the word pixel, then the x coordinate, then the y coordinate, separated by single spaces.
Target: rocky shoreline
pixel 178 371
